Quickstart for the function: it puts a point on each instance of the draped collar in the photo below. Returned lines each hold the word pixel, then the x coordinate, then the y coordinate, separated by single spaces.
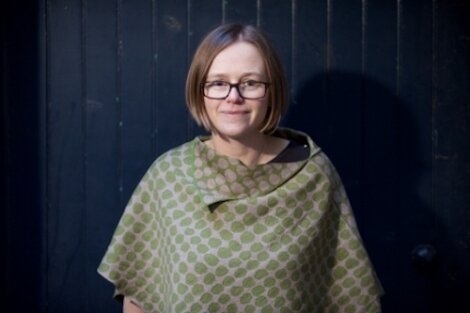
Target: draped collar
pixel 220 178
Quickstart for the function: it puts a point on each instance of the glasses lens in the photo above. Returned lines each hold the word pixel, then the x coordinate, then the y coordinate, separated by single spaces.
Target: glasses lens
pixel 252 89
pixel 216 89
pixel 247 90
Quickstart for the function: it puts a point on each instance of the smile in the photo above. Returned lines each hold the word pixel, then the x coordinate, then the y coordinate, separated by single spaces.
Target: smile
pixel 235 112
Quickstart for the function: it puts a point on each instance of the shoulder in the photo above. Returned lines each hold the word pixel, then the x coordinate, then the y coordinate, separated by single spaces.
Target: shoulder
pixel 320 164
pixel 174 157
pixel 322 161
pixel 168 165
pixel 178 152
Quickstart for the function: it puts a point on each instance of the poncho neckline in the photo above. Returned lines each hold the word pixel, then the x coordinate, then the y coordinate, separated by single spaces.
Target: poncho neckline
pixel 221 178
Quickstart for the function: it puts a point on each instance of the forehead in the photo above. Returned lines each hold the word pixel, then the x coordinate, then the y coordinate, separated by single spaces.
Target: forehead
pixel 238 58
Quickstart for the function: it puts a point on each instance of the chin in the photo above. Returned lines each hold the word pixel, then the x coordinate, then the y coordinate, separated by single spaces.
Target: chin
pixel 236 133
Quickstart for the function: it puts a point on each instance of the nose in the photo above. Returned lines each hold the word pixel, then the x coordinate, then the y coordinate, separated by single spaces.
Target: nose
pixel 234 95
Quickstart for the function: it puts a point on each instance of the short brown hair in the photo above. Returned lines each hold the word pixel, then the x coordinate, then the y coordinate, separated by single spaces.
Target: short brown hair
pixel 216 41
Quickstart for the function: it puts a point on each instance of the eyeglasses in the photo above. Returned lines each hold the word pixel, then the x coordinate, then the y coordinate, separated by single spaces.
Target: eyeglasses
pixel 219 89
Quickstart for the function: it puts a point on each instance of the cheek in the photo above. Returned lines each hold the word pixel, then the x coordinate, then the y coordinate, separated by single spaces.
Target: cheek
pixel 210 108
pixel 210 105
pixel 207 116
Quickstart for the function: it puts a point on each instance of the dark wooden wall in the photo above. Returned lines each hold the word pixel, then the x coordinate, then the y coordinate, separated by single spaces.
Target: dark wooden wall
pixel 93 91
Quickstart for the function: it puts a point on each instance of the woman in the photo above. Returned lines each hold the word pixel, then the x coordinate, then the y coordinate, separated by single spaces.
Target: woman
pixel 252 218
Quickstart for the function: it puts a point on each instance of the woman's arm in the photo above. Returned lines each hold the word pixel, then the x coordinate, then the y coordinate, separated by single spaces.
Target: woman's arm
pixel 130 307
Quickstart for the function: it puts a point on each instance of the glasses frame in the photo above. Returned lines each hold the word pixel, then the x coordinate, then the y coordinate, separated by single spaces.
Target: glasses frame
pixel 237 86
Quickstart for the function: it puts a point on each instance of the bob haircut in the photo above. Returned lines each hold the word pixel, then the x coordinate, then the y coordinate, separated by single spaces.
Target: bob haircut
pixel 216 41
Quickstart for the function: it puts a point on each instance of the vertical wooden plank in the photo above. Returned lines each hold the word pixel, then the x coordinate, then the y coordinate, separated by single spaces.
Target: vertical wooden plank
pixel 413 156
pixel 203 16
pixel 344 91
pixel 451 149
pixel 415 153
pixel 379 170
pixel 415 86
pixel 240 11
pixel 308 104
pixel 102 176
pixel 310 44
pixel 137 99
pixel 171 116
pixel 66 177
pixel 275 18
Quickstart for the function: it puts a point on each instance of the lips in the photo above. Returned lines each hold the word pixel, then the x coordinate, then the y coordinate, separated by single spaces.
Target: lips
pixel 235 112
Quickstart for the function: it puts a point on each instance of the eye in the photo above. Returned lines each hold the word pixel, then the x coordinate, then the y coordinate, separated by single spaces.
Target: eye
pixel 217 83
pixel 250 83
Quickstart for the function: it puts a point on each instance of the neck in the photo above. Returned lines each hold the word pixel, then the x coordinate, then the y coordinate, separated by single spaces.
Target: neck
pixel 250 151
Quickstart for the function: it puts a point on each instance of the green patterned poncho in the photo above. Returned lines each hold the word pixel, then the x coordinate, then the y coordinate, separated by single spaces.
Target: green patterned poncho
pixel 204 233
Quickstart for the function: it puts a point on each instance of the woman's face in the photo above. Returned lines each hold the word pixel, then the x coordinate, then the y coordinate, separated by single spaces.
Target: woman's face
pixel 235 117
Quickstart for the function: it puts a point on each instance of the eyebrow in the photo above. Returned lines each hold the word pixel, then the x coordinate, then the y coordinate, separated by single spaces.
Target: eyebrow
pixel 223 75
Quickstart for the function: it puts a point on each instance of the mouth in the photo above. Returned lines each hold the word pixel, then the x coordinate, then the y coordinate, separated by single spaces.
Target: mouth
pixel 234 112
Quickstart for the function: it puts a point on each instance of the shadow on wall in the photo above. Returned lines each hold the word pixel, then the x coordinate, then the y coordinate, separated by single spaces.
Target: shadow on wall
pixel 385 162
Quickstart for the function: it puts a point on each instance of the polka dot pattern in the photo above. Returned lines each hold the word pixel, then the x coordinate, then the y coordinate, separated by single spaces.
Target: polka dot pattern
pixel 281 238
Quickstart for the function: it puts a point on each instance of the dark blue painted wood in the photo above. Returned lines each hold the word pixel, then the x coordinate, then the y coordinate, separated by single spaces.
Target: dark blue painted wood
pixel 66 137
pixel 309 64
pixel 275 18
pixel 242 11
pixel 412 158
pixel 381 86
pixel 345 91
pixel 310 30
pixel 171 128
pixel 103 157
pixel 137 59
pixel 451 148
pixel 203 15
pixel 379 209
